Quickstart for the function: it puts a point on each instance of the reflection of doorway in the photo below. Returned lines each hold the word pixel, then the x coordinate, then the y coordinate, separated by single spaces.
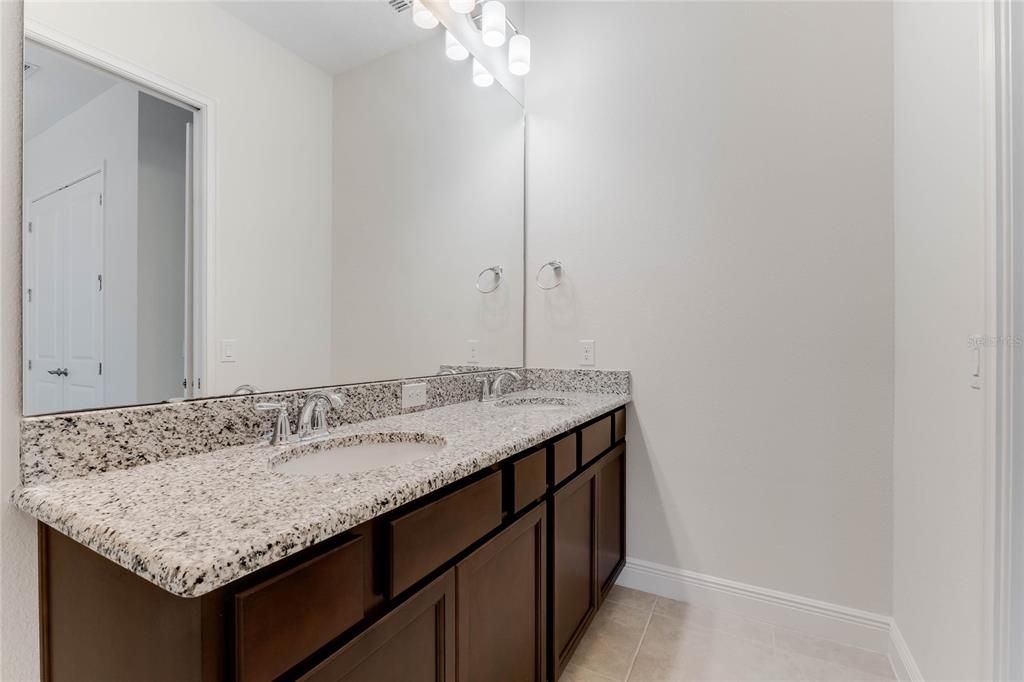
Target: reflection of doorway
pixel 63 302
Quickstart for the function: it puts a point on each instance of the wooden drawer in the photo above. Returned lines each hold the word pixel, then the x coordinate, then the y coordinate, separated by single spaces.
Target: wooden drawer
pixel 529 479
pixel 620 424
pixel 596 438
pixel 286 618
pixel 564 458
pixel 424 539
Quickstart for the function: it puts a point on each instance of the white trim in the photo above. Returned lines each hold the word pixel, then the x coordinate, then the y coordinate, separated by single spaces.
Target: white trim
pixel 824 620
pixel 204 165
pixel 903 663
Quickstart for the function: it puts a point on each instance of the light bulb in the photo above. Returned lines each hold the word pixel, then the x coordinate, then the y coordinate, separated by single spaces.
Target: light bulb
pixel 462 6
pixel 453 48
pixel 421 16
pixel 493 24
pixel 481 76
pixel 519 55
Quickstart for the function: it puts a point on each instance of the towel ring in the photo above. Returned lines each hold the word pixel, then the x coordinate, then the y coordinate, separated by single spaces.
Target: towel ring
pixel 498 276
pixel 556 268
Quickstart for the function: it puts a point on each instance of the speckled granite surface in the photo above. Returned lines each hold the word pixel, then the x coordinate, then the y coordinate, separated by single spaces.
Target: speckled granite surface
pixel 193 524
pixel 57 447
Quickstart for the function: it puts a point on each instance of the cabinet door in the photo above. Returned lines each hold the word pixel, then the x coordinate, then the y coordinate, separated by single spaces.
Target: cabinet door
pixel 501 597
pixel 413 643
pixel 573 564
pixel 611 505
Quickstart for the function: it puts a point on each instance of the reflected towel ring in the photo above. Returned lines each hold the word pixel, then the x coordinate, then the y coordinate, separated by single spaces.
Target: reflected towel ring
pixel 498 276
pixel 556 268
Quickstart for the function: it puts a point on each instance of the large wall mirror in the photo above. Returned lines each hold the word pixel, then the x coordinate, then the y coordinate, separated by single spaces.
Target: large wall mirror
pixel 227 197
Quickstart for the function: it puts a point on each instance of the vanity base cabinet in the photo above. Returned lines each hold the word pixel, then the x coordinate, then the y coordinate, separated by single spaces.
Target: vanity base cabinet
pixel 611 518
pixel 415 642
pixel 500 605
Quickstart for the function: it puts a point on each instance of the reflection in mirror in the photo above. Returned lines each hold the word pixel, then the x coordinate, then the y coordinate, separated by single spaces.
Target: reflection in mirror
pixel 225 196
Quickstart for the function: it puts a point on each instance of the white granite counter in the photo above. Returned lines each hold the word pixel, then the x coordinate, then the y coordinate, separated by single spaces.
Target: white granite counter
pixel 195 523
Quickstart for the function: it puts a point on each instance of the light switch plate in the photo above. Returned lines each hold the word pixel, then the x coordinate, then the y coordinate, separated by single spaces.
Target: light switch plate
pixel 586 351
pixel 414 395
pixel 228 351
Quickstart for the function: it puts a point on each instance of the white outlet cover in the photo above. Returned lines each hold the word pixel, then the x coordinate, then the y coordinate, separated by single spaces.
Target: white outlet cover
pixel 473 346
pixel 586 351
pixel 414 395
pixel 228 351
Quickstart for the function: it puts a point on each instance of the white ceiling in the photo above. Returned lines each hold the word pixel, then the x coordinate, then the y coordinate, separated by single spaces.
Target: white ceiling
pixel 335 36
pixel 60 86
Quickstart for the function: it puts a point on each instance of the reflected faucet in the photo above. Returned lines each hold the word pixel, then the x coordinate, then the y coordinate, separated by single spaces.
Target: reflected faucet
pixel 313 415
pixel 490 389
pixel 245 389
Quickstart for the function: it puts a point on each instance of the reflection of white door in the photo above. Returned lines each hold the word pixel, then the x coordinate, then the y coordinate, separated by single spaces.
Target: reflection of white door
pixel 64 298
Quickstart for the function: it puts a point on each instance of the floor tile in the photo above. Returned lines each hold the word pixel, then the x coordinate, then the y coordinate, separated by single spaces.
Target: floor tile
pixel 630 597
pixel 861 660
pixel 574 673
pixel 723 621
pixel 612 640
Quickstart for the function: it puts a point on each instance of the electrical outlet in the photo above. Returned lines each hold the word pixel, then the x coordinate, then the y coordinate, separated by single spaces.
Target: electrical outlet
pixel 586 351
pixel 474 351
pixel 414 395
pixel 228 350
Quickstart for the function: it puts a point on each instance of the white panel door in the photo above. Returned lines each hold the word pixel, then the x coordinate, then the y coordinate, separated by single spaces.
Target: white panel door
pixel 83 314
pixel 64 299
pixel 44 305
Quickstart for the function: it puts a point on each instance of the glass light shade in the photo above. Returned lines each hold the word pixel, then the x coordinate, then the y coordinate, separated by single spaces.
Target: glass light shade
pixel 462 6
pixel 481 76
pixel 519 55
pixel 453 48
pixel 421 16
pixel 493 24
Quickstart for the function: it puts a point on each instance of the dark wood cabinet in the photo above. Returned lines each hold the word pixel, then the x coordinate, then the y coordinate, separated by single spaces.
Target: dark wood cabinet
pixel 415 642
pixel 501 605
pixel 573 569
pixel 611 517
pixel 494 577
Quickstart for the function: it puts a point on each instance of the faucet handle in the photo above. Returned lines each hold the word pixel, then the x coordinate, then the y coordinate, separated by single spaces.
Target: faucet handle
pixel 282 427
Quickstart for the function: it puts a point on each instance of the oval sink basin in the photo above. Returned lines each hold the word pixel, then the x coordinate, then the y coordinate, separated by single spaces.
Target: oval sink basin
pixel 353 454
pixel 537 403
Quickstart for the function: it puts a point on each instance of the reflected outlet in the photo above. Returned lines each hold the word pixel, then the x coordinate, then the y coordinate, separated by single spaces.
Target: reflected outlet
pixel 414 395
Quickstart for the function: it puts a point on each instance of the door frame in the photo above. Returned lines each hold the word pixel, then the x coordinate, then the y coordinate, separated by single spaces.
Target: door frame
pixel 203 190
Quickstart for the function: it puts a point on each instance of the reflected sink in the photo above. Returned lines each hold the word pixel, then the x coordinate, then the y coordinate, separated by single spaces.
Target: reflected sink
pixel 352 454
pixel 537 403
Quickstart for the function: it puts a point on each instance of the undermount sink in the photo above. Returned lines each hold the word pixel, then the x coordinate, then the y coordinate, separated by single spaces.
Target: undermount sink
pixel 353 454
pixel 537 403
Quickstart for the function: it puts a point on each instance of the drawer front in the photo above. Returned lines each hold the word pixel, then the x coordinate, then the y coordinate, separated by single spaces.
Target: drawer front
pixel 620 424
pixel 529 479
pixel 286 618
pixel 565 458
pixel 596 439
pixel 424 539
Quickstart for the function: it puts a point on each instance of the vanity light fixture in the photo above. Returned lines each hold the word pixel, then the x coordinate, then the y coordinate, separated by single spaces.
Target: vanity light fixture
pixel 519 55
pixel 481 76
pixel 493 24
pixel 453 48
pixel 462 6
pixel 421 16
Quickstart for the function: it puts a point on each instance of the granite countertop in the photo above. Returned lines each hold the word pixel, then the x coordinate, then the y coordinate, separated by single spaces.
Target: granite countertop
pixel 193 524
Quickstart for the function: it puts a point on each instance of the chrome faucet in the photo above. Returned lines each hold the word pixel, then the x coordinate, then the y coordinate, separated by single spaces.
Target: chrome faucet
pixel 245 389
pixel 313 415
pixel 490 388
pixel 282 433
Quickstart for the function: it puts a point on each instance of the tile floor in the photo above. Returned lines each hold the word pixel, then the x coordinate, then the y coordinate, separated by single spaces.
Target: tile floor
pixel 638 637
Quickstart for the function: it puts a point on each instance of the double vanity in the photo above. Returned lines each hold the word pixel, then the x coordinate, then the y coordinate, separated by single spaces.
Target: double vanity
pixel 471 541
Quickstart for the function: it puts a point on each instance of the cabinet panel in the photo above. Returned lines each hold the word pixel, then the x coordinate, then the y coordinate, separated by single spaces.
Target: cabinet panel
pixel 529 479
pixel 611 531
pixel 413 643
pixel 620 424
pixel 425 538
pixel 595 439
pixel 284 619
pixel 573 570
pixel 501 599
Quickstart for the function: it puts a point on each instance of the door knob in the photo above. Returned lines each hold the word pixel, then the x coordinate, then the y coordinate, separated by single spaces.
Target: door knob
pixel 60 372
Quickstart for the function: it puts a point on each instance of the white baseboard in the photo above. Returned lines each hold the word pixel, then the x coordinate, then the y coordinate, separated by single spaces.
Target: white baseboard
pixel 812 617
pixel 903 662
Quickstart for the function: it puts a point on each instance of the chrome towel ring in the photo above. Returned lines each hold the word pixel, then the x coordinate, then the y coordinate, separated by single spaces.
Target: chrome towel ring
pixel 498 276
pixel 556 269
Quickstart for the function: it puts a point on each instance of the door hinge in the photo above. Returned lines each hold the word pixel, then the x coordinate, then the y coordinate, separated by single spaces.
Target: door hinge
pixel 29 295
pixel 199 383
pixel 101 198
pixel 101 369
pixel 99 278
pixel 184 383
pixel 30 365
pixel 30 227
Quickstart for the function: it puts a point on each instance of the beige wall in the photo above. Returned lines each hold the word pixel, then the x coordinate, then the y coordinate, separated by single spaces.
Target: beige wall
pixel 939 467
pixel 717 178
